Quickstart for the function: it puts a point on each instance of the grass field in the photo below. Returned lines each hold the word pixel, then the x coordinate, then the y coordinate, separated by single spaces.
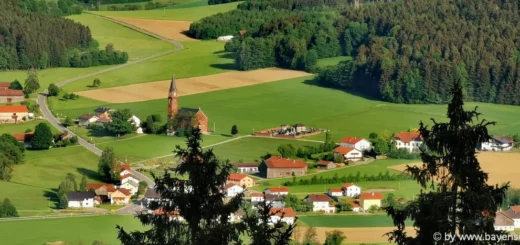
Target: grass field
pixel 207 56
pixel 190 4
pixel 21 127
pixel 104 7
pixel 354 220
pixel 193 13
pixel 332 61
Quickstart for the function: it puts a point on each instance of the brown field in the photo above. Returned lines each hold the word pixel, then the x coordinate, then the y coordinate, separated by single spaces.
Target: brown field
pixel 170 29
pixel 354 235
pixel 501 167
pixel 193 85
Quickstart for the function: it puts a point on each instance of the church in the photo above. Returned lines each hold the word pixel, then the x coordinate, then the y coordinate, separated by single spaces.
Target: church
pixel 184 117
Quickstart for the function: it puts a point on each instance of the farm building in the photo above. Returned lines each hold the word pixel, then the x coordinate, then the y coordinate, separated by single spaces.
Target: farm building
pixel 136 122
pixel 120 197
pixel 25 138
pixel 8 95
pixel 87 119
pixel 335 192
pixel 278 191
pixel 498 143
pixel 350 190
pixel 125 170
pixel 175 215
pixel 237 216
pixel 300 127
pixel 232 190
pixel 276 167
pixel 350 154
pixel 503 222
pixel 320 202
pixel 13 113
pixel 366 200
pixel 357 143
pixel 246 167
pixel 408 140
pixel 274 200
pixel 185 116
pixel 130 185
pixel 289 216
pixel 240 179
pixel 83 199
pixel 151 195
pixel 326 164
pixel 101 190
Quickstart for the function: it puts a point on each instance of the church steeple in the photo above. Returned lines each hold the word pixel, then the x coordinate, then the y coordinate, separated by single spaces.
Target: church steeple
pixel 173 102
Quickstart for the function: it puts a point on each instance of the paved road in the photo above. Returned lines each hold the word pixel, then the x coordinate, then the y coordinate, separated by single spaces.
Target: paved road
pixel 47 114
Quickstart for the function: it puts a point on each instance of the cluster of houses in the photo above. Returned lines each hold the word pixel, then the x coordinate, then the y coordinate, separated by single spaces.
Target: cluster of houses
pixel 102 115
pixel 98 193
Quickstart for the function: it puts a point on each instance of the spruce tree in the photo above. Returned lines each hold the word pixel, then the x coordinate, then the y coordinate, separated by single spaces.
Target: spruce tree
pixel 42 138
pixel 32 82
pixel 8 209
pixel 109 166
pixel 459 200
pixel 83 184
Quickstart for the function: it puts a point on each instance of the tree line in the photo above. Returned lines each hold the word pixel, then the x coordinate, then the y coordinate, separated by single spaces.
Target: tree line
pixel 213 2
pixel 350 178
pixel 54 8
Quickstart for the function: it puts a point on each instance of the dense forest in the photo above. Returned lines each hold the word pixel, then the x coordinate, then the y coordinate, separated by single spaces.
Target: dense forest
pixel 404 51
pixel 213 2
pixel 35 40
pixel 54 8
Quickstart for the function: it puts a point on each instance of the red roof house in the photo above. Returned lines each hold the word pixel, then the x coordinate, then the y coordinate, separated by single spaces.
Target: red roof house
pixel 371 196
pixel 24 137
pixel 276 166
pixel 407 137
pixel 351 140
pixel 286 212
pixel 275 190
pixel 236 177
pixel 280 162
pixel 14 109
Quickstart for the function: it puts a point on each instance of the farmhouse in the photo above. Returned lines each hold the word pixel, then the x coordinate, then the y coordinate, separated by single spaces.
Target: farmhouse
pixel 498 143
pixel 246 167
pixel 370 198
pixel 274 200
pixel 185 116
pixel 350 190
pixel 300 127
pixel 25 138
pixel 125 170
pixel 237 216
pixel 101 190
pixel 81 199
pixel 8 95
pixel 513 212
pixel 320 202
pixel 503 222
pixel 240 179
pixel 232 190
pixel 151 195
pixel 275 167
pixel 357 143
pixel 103 112
pixel 87 119
pixel 355 206
pixel 408 140
pixel 120 197
pixel 289 216
pixel 326 164
pixel 13 113
pixel 128 177
pixel 257 197
pixel 350 154
pixel 102 121
pixel 335 192
pixel 277 191
pixel 130 185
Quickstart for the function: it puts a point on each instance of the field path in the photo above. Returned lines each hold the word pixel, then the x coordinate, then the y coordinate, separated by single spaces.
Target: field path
pixel 48 115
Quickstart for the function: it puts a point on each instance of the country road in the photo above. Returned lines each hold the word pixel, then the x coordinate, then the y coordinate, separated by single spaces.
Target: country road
pixel 47 114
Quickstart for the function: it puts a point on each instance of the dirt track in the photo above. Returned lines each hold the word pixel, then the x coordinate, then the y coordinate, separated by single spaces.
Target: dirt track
pixel 355 235
pixel 193 85
pixel 501 167
pixel 169 29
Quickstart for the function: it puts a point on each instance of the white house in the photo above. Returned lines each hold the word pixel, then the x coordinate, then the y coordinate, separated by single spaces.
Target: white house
pixel 120 197
pixel 335 192
pixel 136 122
pixel 279 191
pixel 232 190
pixel 498 143
pixel 128 177
pixel 82 199
pixel 351 190
pixel 130 185
pixel 85 120
pixel 246 167
pixel 289 216
pixel 357 143
pixel 503 222
pixel 408 140
pixel 225 38
pixel 350 154
pixel 320 202
pixel 257 197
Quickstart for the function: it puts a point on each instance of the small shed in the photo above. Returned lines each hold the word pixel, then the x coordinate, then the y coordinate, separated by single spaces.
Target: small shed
pixel 225 38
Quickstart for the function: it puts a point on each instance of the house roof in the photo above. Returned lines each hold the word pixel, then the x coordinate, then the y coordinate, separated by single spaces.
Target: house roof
pixel 347 185
pixel 132 183
pixel 151 193
pixel 512 213
pixel 343 150
pixel 23 137
pixel 286 212
pixel 192 110
pixel 5 84
pixel 371 196
pixel 318 198
pixel 515 208
pixel 242 164
pixel 335 190
pixel 95 186
pixel 503 140
pixel 324 163
pixel 242 32
pixel 501 219
pixel 351 140
pixel 86 117
pixel 273 198
pixel 64 135
pixel 228 186
pixel 125 167
pixel 80 195
pixel 257 194
pixel 354 204
pixel 280 162
pixel 104 120
pixel 161 212
pixel 278 189
pixel 236 177
pixel 13 108
pixel 407 137
pixel 125 176
pixel 11 92
pixel 102 109
pixel 125 191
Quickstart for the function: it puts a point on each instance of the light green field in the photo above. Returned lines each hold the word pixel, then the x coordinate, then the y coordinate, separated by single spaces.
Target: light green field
pixel 196 59
pixel 190 4
pixel 354 220
pixel 21 127
pixel 332 61
pixel 104 7
pixel 37 179
pixel 193 14
pixel 136 44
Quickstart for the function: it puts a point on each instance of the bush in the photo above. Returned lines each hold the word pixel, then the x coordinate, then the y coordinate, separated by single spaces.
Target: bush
pixel 53 90
pixel 28 130
pixel 74 140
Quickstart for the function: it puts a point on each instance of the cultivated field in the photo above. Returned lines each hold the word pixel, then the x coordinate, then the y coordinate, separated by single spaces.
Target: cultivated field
pixel 170 29
pixel 193 85
pixel 501 167
pixel 366 235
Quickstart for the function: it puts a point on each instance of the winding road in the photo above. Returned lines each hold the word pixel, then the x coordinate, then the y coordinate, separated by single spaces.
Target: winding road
pixel 48 115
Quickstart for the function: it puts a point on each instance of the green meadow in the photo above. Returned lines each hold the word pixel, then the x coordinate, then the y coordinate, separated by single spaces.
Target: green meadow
pixel 190 14
pixel 346 221
pixel 332 61
pixel 104 7
pixel 21 127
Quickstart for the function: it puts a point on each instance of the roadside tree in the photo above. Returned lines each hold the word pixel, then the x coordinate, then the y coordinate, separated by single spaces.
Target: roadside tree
pixel 32 82
pixel 53 89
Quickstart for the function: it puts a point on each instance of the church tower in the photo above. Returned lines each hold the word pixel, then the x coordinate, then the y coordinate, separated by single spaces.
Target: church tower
pixel 173 102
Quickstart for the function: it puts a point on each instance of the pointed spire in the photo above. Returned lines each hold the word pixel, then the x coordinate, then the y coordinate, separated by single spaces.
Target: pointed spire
pixel 173 87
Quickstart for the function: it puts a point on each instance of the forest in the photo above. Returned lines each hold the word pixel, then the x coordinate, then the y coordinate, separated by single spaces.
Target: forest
pixel 54 8
pixel 404 51
pixel 213 2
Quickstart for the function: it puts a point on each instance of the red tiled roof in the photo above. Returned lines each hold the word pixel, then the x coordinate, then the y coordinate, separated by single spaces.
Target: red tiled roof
pixel 64 135
pixel 371 196
pixel 13 108
pixel 510 141
pixel 125 167
pixel 515 208
pixel 125 191
pixel 318 198
pixel 23 137
pixel 343 150
pixel 4 84
pixel 354 204
pixel 237 177
pixel 85 116
pixel 278 189
pixel 229 186
pixel 95 186
pixel 406 137
pixel 280 162
pixel 287 212
pixel 125 176
pixel 351 140
pixel 336 190
pixel 324 163
pixel 257 195
pixel 11 92
pixel 347 185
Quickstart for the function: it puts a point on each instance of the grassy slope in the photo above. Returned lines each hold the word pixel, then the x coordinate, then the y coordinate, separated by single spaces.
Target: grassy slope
pixel 193 14
pixel 190 4
pixel 348 221
pixel 332 61
pixel 104 7
pixel 197 59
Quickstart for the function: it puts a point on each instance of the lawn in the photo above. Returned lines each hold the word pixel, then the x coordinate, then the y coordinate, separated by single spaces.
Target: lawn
pixel 332 61
pixel 192 14
pixel 136 44
pixel 71 230
pixel 196 59
pixel 104 7
pixel 21 127
pixel 354 220
pixel 36 180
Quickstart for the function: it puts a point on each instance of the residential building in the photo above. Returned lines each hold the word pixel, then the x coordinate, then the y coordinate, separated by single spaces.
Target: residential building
pixel 13 112
pixel 285 215
pixel 128 177
pixel 276 167
pixel 87 119
pixel 277 191
pixel 240 179
pixel 102 121
pixel 320 202
pixel 257 197
pixel 513 212
pixel 103 112
pixel 335 192
pixel 300 127
pixel 25 138
pixel 367 199
pixel 498 143
pixel 151 195
pixel 350 190
pixel 408 140
pixel 503 222
pixel 84 199
pixel 101 190
pixel 326 164
pixel 9 96
pixel 125 170
pixel 350 154
pixel 130 185
pixel 246 167
pixel 357 143
pixel 274 200
pixel 120 197
pixel 355 206
pixel 232 190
